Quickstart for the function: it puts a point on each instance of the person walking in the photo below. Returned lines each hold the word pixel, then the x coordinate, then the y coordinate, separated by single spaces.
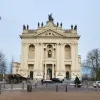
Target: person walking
pixel 35 83
pixel 42 81
pixel 28 78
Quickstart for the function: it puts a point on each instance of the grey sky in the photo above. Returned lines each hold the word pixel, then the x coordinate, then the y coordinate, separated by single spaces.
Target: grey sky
pixel 15 13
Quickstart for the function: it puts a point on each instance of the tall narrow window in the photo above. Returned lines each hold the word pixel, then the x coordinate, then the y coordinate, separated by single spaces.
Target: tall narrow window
pixel 67 52
pixel 31 51
pixel 50 51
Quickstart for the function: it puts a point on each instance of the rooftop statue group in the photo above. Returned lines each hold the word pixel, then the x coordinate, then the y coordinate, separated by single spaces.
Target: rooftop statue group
pixel 50 18
pixel 25 27
pixel 75 27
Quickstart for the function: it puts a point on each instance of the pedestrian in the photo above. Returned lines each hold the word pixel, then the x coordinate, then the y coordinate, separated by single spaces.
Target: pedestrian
pixel 36 83
pixel 42 81
pixel 28 78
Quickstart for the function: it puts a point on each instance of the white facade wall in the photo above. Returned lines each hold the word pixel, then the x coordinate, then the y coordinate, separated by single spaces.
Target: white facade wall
pixel 58 38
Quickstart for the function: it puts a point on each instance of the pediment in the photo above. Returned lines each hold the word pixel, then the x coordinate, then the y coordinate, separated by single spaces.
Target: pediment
pixel 50 33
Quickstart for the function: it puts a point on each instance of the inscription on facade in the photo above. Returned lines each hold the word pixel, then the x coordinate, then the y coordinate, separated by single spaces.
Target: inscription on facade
pixel 38 74
pixel 59 74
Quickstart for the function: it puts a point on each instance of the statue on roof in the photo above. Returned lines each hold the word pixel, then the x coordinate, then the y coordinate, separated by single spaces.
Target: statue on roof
pixel 42 24
pixel 27 26
pixel 75 28
pixel 57 24
pixel 24 27
pixel 50 18
pixel 38 24
pixel 61 24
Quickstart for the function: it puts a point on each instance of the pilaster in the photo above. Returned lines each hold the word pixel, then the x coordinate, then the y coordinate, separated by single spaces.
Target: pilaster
pixel 73 54
pixel 45 70
pixel 53 70
pixel 58 57
pixel 62 57
pixel 41 57
pixel 36 56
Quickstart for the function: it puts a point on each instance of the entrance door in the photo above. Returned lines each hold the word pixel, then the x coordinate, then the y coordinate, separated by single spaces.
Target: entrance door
pixel 49 72
pixel 31 74
pixel 67 74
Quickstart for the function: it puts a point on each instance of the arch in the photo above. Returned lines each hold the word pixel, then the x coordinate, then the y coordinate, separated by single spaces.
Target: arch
pixel 50 51
pixel 67 74
pixel 49 46
pixel 31 74
pixel 31 51
pixel 49 72
pixel 67 52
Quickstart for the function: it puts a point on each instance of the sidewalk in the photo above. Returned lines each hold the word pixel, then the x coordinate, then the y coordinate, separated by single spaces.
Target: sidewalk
pixel 49 96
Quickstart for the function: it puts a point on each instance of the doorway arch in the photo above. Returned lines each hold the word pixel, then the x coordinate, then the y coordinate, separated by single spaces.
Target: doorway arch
pixel 31 75
pixel 49 72
pixel 67 74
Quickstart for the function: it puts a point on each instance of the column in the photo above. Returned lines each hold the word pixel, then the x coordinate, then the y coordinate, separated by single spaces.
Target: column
pixel 45 71
pixel 76 56
pixel 53 53
pixel 62 57
pixel 36 56
pixel 73 66
pixel 24 66
pixel 41 57
pixel 46 53
pixel 58 57
pixel 52 70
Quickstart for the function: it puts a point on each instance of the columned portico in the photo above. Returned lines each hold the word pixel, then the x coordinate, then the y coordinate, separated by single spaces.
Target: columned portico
pixel 49 51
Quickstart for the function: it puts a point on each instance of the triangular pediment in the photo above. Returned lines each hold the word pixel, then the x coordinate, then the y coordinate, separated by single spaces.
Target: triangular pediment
pixel 50 33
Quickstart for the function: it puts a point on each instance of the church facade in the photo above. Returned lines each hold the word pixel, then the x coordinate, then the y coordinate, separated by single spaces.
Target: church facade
pixel 49 52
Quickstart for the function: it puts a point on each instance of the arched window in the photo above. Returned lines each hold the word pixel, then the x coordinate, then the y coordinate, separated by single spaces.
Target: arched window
pixel 31 51
pixel 50 51
pixel 67 52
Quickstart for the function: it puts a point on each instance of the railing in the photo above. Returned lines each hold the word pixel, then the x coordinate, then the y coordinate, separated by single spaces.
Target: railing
pixel 55 87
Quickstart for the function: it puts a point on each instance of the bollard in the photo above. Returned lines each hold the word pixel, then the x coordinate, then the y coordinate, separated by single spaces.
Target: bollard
pixel 46 85
pixel 56 88
pixel 11 86
pixel 0 88
pixel 66 88
pixel 22 86
pixel 4 85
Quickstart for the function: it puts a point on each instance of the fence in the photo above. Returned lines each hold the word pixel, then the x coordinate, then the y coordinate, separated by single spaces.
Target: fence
pixel 58 87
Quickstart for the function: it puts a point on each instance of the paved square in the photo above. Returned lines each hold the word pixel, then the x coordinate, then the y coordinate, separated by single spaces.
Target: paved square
pixel 50 96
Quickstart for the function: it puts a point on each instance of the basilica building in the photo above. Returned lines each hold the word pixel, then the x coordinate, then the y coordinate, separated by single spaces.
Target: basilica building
pixel 49 52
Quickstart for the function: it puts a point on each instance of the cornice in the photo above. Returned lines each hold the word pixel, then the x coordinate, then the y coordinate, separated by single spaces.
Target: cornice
pixel 57 37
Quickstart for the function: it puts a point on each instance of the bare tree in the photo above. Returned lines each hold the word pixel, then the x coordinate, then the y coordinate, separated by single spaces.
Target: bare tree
pixel 3 66
pixel 93 61
pixel 3 63
pixel 11 66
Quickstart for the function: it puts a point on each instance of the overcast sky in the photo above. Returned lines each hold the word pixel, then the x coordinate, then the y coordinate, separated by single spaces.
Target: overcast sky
pixel 15 13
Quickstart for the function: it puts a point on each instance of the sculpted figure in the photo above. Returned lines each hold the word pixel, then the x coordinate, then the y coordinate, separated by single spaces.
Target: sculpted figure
pixel 42 24
pixel 75 28
pixel 61 25
pixel 57 24
pixel 24 27
pixel 27 27
pixel 72 27
pixel 38 24
pixel 50 17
